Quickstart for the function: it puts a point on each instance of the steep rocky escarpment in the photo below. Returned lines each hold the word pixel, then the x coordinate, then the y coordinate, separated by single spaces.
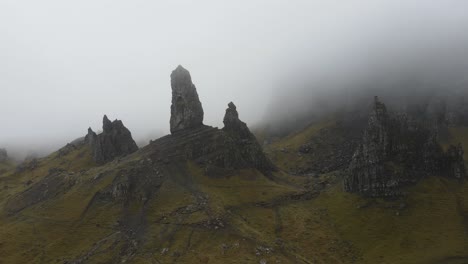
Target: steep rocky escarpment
pixel 115 140
pixel 398 150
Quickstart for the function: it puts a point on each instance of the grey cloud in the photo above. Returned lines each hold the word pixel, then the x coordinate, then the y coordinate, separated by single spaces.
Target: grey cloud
pixel 64 64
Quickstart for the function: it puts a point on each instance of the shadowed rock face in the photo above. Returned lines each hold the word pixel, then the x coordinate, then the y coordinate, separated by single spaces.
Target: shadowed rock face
pixel 186 108
pixel 234 125
pixel 396 151
pixel 250 150
pixel 3 155
pixel 115 140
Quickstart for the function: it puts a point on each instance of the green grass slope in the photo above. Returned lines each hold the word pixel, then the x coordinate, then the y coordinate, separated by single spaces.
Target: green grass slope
pixel 244 217
pixel 284 152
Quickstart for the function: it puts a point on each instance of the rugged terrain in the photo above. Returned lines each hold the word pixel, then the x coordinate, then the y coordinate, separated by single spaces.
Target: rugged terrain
pixel 209 195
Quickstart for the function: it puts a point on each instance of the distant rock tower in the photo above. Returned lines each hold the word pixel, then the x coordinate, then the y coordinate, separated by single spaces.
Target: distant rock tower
pixel 186 108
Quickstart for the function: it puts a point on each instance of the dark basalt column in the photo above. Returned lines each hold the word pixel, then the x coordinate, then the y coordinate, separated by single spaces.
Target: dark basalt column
pixel 186 108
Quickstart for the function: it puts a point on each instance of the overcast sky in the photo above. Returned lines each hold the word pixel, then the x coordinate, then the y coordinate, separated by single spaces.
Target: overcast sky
pixel 64 64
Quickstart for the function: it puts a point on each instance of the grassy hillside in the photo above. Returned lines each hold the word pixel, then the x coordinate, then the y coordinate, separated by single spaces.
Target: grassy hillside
pixel 6 166
pixel 284 152
pixel 459 135
pixel 243 217
pixel 427 226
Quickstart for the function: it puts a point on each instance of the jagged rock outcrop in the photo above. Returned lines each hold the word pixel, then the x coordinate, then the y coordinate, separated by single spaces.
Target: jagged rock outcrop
pixel 250 150
pixel 3 155
pixel 396 151
pixel 115 140
pixel 186 108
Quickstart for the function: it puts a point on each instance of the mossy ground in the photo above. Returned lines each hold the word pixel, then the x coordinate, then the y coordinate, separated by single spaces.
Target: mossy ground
pixel 460 135
pixel 428 225
pixel 285 152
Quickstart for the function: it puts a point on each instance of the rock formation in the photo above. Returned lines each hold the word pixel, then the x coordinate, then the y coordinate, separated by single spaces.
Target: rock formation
pixel 3 155
pixel 219 151
pixel 396 151
pixel 115 140
pixel 250 150
pixel 186 108
pixel 234 126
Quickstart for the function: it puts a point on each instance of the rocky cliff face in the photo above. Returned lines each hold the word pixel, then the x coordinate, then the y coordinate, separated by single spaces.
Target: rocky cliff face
pixel 396 151
pixel 115 140
pixel 3 155
pixel 186 108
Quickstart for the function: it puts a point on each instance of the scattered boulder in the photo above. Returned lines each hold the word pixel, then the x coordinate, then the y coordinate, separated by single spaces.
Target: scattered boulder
pixel 186 108
pixel 396 151
pixel 115 141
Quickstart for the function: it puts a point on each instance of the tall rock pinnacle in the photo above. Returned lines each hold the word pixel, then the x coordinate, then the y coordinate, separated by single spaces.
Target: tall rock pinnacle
pixel 186 108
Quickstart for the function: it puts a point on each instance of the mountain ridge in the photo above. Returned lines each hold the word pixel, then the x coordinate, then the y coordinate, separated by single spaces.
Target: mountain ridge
pixel 208 195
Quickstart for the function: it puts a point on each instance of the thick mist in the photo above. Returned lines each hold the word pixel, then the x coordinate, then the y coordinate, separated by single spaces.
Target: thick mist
pixel 63 65
pixel 403 52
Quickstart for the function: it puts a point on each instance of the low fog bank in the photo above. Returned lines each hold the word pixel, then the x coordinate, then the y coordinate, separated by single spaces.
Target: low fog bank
pixel 44 146
pixel 416 56
pixel 66 64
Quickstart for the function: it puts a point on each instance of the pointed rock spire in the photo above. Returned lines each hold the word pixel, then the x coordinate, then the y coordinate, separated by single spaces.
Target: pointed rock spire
pixel 91 137
pixel 115 140
pixel 233 124
pixel 250 149
pixel 106 124
pixel 186 108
